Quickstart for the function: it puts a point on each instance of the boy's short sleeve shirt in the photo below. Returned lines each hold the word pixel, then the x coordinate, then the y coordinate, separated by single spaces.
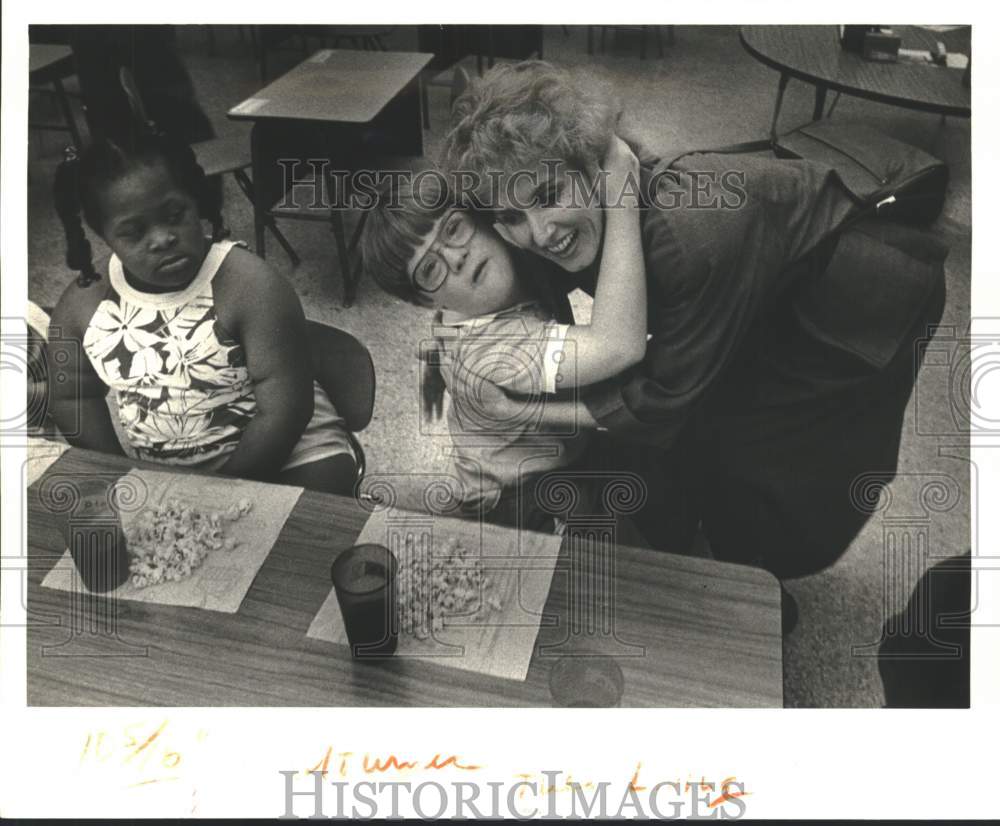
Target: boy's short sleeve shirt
pixel 519 350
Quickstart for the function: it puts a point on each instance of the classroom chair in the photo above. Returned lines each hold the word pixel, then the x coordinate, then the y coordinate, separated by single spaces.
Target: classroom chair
pixel 643 31
pixel 344 369
pixel 49 65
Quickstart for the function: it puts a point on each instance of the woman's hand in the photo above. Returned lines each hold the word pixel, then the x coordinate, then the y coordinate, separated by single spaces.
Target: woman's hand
pixel 622 168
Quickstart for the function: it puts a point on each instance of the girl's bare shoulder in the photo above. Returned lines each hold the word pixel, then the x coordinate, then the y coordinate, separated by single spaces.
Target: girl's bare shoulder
pixel 246 286
pixel 77 305
pixel 242 270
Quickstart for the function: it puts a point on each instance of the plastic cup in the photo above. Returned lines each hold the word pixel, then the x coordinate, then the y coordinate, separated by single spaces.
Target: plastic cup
pixel 364 578
pixel 94 536
pixel 586 681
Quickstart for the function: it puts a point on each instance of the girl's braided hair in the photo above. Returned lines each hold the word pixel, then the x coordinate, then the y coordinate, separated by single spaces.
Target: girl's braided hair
pixel 81 177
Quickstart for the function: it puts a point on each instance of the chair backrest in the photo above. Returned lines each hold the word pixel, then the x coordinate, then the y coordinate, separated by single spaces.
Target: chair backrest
pixel 344 369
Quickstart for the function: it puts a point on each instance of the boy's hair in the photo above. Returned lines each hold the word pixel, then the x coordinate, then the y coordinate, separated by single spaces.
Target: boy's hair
pixel 81 179
pixel 405 210
pixel 519 115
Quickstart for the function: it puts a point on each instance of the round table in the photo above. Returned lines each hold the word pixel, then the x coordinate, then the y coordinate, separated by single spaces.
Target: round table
pixel 813 54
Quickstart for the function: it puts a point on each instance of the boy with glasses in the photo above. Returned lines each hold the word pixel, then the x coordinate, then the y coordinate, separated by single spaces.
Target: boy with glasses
pixel 495 338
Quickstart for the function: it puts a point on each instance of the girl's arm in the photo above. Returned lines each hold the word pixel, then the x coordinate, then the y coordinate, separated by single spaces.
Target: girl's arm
pixel 77 396
pixel 262 311
pixel 615 339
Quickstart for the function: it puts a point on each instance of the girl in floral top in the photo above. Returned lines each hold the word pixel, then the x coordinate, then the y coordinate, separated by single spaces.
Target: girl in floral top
pixel 204 346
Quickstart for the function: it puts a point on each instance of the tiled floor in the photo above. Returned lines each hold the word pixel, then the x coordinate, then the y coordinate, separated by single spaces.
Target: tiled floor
pixel 706 91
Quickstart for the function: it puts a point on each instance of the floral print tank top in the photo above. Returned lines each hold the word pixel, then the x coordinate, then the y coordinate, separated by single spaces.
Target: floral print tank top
pixel 183 392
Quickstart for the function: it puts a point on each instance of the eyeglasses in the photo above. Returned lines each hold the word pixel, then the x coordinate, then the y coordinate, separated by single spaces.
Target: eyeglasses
pixel 432 270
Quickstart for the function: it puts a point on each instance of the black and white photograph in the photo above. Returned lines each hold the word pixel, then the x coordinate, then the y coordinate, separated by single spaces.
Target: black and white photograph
pixel 499 366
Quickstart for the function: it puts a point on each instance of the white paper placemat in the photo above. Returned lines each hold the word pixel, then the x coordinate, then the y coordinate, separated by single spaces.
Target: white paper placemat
pixel 42 454
pixel 223 579
pixel 498 643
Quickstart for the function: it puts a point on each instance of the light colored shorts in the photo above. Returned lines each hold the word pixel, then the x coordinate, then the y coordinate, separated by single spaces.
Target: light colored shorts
pixel 325 436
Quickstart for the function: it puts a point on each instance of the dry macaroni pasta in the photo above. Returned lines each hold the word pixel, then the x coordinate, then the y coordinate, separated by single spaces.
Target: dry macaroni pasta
pixel 167 543
pixel 447 583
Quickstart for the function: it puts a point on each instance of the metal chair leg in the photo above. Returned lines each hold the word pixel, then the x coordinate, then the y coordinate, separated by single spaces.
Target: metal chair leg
pixel 820 101
pixel 247 186
pixel 352 278
pixel 353 272
pixel 337 226
pixel 63 102
pixel 259 207
pixel 782 84
pixel 293 256
pixel 359 457
pixel 425 107
pixel 833 105
pixel 356 235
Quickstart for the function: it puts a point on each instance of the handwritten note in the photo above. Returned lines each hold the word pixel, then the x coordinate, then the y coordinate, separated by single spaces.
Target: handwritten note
pixel 140 754
pixel 343 762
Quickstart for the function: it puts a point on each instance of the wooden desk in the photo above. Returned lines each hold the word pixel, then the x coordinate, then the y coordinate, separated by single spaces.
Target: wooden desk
pixel 50 64
pixel 813 54
pixel 711 632
pixel 334 105
pixel 335 86
pixel 47 56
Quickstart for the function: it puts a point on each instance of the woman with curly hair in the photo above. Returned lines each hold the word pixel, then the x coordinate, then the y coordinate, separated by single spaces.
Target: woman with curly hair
pixel 782 343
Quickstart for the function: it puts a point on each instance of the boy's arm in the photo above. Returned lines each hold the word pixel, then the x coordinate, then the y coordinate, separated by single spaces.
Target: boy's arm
pixel 615 339
pixel 268 321
pixel 77 396
pixel 565 415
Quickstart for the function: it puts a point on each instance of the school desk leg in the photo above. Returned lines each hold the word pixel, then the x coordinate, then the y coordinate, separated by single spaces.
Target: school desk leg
pixel 820 102
pixel 259 207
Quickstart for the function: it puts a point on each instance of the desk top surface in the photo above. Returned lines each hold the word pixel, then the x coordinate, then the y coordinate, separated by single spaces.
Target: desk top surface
pixel 686 631
pixel 335 86
pixel 43 55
